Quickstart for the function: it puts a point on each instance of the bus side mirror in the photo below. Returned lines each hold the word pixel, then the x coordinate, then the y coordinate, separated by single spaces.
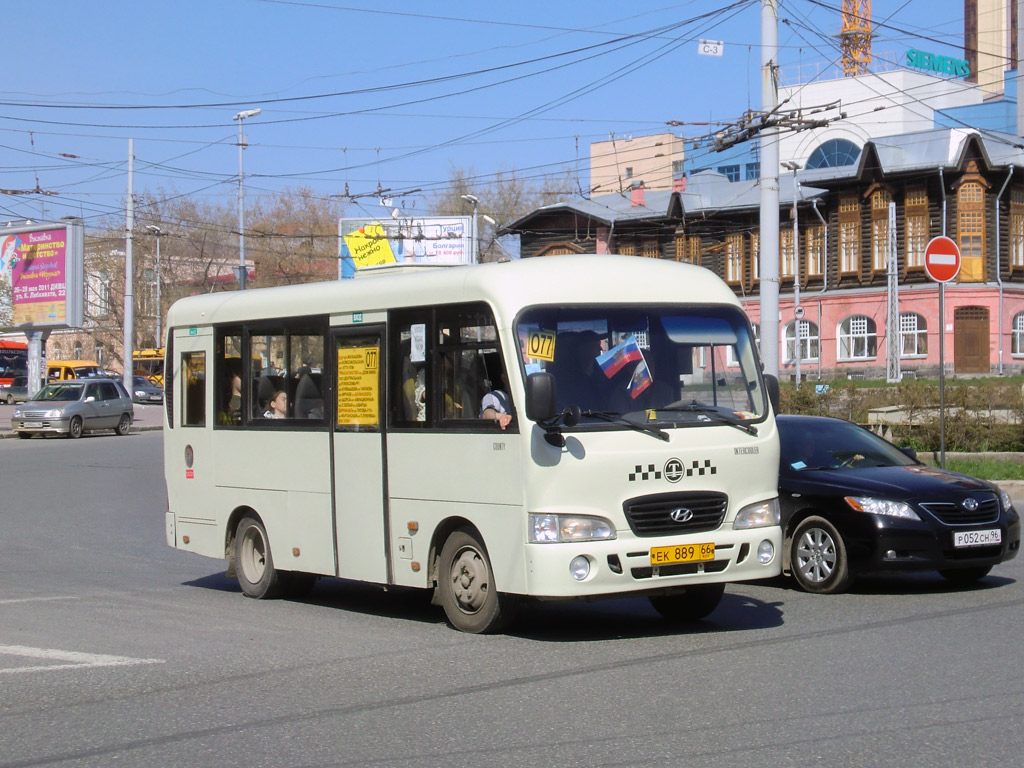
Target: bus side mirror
pixel 540 396
pixel 771 383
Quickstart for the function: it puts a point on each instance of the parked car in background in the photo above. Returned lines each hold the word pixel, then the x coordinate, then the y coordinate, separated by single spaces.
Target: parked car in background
pixel 16 392
pixel 144 391
pixel 853 503
pixel 75 406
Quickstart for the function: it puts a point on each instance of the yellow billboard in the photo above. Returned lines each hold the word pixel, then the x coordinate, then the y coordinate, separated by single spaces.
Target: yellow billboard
pixel 369 246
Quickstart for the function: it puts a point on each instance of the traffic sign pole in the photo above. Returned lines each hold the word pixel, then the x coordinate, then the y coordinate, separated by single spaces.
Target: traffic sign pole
pixel 942 264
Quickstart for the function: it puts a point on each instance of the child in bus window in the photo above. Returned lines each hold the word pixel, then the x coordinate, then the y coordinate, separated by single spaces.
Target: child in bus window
pixel 278 408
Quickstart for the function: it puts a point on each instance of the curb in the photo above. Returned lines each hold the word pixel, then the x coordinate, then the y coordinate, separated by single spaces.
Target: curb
pixel 135 428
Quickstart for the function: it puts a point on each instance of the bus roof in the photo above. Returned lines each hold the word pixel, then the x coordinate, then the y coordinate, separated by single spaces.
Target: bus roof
pixel 507 286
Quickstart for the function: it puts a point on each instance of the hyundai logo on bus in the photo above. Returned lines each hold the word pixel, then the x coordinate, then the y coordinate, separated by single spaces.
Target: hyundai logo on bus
pixel 681 514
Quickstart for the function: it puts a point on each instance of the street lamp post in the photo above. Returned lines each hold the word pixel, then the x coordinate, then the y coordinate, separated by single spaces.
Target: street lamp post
pixel 794 167
pixel 157 232
pixel 476 238
pixel 241 195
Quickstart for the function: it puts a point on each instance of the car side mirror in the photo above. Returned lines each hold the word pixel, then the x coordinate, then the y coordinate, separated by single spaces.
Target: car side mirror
pixel 540 396
pixel 771 383
pixel 909 452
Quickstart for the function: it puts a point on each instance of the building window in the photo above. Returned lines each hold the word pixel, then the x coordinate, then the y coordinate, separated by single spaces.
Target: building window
pixel 731 172
pixel 678 169
pixel 734 259
pixel 629 172
pixel 650 249
pixel 814 238
pixel 755 256
pixel 787 258
pixel 856 338
pixel 680 247
pixel 833 154
pixel 971 231
pixel 99 353
pixel 752 171
pixel 626 249
pixel 913 335
pixel 694 246
pixel 849 234
pixel 1017 229
pixel 916 213
pixel 880 200
pixel 809 341
pixel 99 289
pixel 1017 341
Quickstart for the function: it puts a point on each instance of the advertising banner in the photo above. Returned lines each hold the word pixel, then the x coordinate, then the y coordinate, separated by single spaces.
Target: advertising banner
pixel 436 240
pixel 43 265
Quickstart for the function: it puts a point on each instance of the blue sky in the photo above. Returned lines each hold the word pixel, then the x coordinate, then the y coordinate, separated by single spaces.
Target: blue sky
pixel 395 95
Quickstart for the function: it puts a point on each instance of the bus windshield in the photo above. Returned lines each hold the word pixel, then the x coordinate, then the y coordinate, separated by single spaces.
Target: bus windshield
pixel 670 365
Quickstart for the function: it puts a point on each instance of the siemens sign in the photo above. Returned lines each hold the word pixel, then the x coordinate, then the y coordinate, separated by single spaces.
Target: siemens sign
pixel 945 65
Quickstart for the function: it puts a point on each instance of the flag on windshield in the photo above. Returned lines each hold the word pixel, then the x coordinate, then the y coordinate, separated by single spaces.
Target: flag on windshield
pixel 616 358
pixel 640 380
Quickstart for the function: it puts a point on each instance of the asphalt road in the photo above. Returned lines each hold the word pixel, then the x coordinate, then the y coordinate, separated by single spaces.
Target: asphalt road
pixel 117 650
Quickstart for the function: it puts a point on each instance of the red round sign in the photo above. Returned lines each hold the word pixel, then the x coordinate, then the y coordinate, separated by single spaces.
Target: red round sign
pixel 942 259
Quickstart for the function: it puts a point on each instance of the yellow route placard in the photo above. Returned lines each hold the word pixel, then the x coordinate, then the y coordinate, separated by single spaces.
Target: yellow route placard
pixel 358 386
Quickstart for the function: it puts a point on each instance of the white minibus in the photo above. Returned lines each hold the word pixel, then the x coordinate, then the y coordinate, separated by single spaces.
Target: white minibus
pixel 557 428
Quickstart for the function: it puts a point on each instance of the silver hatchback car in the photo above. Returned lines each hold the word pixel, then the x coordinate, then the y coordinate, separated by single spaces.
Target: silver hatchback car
pixel 73 406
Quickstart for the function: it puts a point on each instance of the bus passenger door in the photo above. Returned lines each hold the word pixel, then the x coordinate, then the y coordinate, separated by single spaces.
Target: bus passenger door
pixel 359 488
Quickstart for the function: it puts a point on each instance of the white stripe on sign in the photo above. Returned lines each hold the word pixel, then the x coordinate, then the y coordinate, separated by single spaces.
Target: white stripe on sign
pixel 942 258
pixel 66 659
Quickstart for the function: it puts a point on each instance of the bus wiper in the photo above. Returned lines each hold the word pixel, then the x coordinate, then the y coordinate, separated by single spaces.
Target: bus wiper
pixel 713 413
pixel 618 418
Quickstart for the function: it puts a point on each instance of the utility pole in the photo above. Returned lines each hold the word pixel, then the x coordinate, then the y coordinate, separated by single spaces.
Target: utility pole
pixel 129 277
pixel 158 233
pixel 769 237
pixel 242 271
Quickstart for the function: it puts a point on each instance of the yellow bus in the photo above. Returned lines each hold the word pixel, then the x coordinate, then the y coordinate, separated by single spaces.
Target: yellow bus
pixel 637 452
pixel 149 363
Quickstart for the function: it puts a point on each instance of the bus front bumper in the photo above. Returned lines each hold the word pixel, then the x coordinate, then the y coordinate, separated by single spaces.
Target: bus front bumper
pixel 622 566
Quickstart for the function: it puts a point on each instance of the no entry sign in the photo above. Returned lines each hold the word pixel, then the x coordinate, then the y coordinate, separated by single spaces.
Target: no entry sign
pixel 942 259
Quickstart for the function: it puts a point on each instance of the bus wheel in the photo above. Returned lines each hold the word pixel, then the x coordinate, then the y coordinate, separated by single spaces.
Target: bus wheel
pixel 75 427
pixel 694 604
pixel 466 583
pixel 253 562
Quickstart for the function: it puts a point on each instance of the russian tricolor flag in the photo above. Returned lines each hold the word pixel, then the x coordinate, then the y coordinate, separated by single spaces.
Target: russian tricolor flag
pixel 619 356
pixel 640 380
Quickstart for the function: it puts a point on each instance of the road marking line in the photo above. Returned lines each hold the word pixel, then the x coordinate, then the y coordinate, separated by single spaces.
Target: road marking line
pixel 35 599
pixel 71 659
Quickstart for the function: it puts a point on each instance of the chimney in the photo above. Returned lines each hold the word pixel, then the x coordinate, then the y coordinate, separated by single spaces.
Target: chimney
pixel 636 194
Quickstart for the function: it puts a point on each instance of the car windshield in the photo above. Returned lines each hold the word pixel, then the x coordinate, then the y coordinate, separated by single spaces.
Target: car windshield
pixel 835 445
pixel 664 365
pixel 62 392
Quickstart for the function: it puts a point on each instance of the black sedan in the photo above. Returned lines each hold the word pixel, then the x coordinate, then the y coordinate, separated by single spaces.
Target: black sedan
pixel 853 503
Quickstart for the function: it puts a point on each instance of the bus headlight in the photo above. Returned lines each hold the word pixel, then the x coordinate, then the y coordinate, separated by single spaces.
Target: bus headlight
pixel 551 529
pixel 759 515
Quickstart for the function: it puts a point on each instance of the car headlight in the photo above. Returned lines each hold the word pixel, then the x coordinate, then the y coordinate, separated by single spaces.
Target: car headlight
pixel 1007 501
pixel 551 529
pixel 881 507
pixel 17 413
pixel 759 515
pixel 54 413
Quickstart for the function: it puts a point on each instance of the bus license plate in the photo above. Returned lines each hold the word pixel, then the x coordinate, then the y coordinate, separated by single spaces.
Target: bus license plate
pixel 682 553
pixel 977 538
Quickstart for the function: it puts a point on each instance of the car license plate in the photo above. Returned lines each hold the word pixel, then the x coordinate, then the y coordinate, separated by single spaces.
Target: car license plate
pixel 682 553
pixel 977 538
pixel 32 424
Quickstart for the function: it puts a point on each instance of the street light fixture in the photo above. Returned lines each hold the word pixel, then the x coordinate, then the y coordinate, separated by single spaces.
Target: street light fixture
pixel 242 274
pixel 476 240
pixel 157 232
pixel 797 310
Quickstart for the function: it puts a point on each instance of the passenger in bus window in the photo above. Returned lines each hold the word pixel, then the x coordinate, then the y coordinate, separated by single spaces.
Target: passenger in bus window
pixel 278 408
pixel 233 407
pixel 496 404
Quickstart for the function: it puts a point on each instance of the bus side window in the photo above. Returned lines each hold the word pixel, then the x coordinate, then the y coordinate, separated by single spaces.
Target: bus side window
pixel 410 385
pixel 193 404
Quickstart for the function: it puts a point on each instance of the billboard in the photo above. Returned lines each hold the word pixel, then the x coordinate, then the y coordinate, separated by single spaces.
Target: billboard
pixel 436 240
pixel 44 274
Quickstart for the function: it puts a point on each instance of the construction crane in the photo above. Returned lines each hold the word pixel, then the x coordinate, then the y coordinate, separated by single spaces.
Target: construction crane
pixel 855 39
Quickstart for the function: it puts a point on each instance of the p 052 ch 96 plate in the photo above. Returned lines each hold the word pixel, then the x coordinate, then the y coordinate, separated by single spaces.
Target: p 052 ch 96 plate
pixel 977 538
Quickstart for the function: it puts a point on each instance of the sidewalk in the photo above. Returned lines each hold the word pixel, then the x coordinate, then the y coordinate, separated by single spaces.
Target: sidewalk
pixel 147 417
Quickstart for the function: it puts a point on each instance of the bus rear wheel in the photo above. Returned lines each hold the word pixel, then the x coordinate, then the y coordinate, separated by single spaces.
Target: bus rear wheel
pixel 254 563
pixel 468 593
pixel 694 604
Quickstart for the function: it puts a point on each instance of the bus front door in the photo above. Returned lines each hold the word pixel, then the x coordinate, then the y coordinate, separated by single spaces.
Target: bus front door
pixel 358 455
